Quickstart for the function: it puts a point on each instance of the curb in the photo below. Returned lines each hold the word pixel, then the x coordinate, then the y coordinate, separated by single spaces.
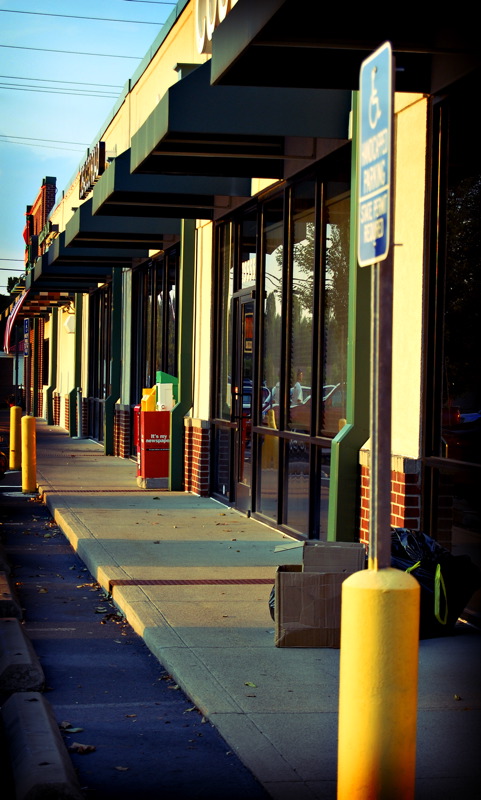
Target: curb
pixel 9 605
pixel 20 669
pixel 41 765
pixel 4 562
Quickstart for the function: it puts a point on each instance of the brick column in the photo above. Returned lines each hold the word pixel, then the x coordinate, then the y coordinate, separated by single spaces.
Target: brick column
pixel 405 494
pixel 197 456
pixel 122 430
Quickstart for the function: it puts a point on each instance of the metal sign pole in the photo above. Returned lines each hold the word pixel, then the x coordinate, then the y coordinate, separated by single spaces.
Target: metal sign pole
pixel 381 384
pixel 380 605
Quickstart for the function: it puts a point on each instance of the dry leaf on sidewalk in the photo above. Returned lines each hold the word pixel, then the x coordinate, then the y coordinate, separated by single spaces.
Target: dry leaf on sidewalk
pixel 82 749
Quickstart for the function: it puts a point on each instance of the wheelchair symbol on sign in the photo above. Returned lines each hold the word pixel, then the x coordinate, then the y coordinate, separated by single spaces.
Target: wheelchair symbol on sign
pixel 374 105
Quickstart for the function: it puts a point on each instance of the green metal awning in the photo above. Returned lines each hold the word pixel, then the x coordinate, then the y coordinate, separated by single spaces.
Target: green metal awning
pixel 81 258
pixel 59 277
pixel 243 131
pixel 118 193
pixel 86 230
pixel 287 43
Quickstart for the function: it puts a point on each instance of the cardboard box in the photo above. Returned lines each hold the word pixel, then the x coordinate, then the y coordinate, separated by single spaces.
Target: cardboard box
pixel 333 556
pixel 308 595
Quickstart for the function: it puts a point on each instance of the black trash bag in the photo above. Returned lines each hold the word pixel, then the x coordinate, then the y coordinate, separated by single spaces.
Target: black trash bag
pixel 447 582
pixel 272 602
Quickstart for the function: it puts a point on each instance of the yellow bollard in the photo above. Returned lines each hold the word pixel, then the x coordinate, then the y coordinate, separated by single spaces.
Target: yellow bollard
pixel 15 437
pixel 29 454
pixel 378 686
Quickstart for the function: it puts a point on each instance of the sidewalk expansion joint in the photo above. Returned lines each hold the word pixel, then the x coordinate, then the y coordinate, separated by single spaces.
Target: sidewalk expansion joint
pixel 207 582
pixel 101 491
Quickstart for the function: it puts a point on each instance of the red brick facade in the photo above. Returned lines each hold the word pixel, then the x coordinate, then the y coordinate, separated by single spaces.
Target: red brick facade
pixel 122 443
pixel 405 495
pixel 197 457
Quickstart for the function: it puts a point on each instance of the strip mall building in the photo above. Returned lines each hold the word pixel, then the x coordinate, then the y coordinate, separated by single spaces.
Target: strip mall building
pixel 211 234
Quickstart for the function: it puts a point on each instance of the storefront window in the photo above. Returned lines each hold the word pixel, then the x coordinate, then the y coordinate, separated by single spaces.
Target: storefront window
pixel 154 322
pixel 282 267
pixel 224 307
pixel 273 314
pixel 302 294
pixel 336 277
pixel 248 251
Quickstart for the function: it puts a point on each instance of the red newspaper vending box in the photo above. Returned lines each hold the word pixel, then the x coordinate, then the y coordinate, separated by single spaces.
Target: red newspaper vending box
pixel 154 441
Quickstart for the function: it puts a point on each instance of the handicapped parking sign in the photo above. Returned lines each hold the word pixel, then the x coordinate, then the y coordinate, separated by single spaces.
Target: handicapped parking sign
pixel 374 156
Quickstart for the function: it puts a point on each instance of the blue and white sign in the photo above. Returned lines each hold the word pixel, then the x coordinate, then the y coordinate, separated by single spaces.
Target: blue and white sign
pixel 374 156
pixel 26 337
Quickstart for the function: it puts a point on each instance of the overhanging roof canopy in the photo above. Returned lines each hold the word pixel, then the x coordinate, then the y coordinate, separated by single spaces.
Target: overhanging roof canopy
pixel 200 129
pixel 86 230
pixel 287 43
pixel 32 304
pixel 74 278
pixel 117 192
pixel 80 258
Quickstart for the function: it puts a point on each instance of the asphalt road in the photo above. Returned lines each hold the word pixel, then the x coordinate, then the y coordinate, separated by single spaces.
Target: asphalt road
pixel 130 730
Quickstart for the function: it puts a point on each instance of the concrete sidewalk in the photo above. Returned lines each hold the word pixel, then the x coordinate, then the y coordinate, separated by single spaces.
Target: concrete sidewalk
pixel 193 578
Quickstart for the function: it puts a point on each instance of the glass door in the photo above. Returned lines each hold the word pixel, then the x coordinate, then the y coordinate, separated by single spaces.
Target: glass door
pixel 242 405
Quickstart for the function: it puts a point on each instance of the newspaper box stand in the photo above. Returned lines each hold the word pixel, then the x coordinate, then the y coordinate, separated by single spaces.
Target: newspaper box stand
pixel 154 450
pixel 152 440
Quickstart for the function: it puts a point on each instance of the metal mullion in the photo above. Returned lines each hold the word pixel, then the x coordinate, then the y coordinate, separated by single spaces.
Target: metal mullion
pixel 258 349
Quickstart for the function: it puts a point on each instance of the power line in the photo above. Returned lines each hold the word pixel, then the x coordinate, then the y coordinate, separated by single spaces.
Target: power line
pixel 52 80
pixel 68 52
pixel 75 16
pixel 44 146
pixel 36 139
pixel 77 93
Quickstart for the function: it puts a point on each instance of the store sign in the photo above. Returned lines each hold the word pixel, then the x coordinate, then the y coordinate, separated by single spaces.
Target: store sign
pixel 208 15
pixel 26 337
pixel 374 156
pixel 92 170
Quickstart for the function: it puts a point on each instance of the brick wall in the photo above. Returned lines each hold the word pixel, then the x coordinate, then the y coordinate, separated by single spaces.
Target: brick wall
pixel 197 457
pixel 56 408
pixel 405 494
pixel 122 431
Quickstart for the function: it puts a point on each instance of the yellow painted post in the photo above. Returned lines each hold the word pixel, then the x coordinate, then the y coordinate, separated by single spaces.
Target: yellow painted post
pixel 378 686
pixel 15 437
pixel 29 454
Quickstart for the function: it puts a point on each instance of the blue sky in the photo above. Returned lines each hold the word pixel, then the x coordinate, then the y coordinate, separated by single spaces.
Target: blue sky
pixel 46 133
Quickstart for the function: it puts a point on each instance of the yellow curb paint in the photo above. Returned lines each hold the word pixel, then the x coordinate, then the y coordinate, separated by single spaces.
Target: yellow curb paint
pixel 378 686
pixel 15 438
pixel 29 454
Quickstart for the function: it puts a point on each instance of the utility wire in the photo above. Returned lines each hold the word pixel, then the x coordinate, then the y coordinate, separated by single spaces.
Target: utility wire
pixel 52 80
pixel 75 16
pixel 45 146
pixel 68 52
pixel 35 139
pixel 77 93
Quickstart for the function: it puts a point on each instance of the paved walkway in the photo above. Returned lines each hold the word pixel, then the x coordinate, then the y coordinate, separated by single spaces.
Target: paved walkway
pixel 193 579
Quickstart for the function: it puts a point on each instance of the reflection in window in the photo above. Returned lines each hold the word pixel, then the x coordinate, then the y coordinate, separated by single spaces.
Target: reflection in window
pixel 336 280
pixel 272 323
pixel 461 409
pixel 225 288
pixel 248 261
pixel 302 294
pixel 268 476
pixel 298 485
